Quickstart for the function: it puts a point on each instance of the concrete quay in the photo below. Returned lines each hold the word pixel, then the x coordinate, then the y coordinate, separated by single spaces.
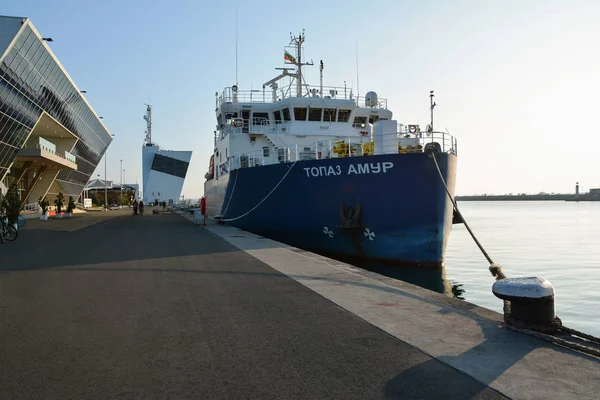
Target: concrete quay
pixel 462 335
pixel 114 306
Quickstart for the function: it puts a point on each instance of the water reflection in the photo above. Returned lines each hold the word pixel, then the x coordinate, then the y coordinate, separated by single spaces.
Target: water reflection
pixel 432 279
pixel 457 290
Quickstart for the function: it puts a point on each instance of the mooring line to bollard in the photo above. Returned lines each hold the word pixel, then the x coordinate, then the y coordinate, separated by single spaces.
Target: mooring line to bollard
pixel 497 272
pixel 561 341
pixel 264 198
pixel 495 269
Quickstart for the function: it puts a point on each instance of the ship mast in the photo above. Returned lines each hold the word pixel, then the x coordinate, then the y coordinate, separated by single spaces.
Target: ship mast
pixel 298 41
pixel 432 105
pixel 148 118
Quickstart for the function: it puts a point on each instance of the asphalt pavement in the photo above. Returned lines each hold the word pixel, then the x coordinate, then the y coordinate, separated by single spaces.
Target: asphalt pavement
pixel 114 306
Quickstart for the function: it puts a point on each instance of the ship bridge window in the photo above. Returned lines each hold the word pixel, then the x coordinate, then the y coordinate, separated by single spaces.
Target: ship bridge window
pixel 344 115
pixel 260 118
pixel 169 165
pixel 277 115
pixel 299 114
pixel 373 119
pixel 359 122
pixel 329 115
pixel 314 114
pixel 286 114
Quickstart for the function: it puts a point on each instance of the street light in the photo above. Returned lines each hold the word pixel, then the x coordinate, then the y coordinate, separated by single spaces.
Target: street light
pixel 125 180
pixel 105 189
pixel 48 39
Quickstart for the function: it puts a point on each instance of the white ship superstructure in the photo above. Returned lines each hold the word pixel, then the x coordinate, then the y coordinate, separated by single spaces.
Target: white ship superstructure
pixel 163 171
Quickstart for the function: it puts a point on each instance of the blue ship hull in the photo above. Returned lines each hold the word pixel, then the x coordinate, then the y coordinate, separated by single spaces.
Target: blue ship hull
pixel 405 217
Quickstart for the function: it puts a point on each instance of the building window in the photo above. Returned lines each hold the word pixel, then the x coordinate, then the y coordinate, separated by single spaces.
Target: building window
pixel 344 115
pixel 277 115
pixel 286 114
pixel 266 151
pixel 299 114
pixel 314 114
pixel 170 165
pixel 260 118
pixel 329 115
pixel 373 119
pixel 359 122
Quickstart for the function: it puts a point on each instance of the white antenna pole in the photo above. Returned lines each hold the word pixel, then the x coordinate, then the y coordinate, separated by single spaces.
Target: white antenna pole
pixel 299 77
pixel 236 48
pixel 357 81
pixel 321 68
pixel 432 105
pixel 148 118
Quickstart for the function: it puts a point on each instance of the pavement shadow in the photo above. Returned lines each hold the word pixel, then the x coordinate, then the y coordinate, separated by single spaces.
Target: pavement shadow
pixel 118 239
pixel 500 351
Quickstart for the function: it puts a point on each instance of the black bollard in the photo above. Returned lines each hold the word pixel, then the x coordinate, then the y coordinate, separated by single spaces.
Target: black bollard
pixel 531 303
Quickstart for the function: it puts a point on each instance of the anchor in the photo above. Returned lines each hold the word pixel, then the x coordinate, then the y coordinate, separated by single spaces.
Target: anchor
pixel 351 224
pixel 350 216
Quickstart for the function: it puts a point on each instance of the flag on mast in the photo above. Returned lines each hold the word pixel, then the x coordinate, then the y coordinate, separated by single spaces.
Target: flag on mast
pixel 288 57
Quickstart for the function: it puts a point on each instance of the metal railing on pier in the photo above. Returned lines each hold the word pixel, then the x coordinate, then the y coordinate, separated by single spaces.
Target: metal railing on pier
pixel 392 143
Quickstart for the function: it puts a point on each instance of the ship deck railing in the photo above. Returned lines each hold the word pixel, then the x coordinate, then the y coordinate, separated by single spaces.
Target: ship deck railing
pixel 357 146
pixel 266 96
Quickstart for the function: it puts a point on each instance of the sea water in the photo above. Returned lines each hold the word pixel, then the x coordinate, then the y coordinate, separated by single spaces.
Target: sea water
pixel 556 240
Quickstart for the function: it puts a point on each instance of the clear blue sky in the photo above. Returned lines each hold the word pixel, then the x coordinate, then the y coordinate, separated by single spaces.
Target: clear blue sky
pixel 515 81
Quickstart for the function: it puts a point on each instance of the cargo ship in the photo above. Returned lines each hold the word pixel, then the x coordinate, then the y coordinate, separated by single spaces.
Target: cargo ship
pixel 328 171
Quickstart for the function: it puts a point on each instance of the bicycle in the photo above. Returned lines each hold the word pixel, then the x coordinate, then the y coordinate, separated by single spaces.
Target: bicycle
pixel 7 231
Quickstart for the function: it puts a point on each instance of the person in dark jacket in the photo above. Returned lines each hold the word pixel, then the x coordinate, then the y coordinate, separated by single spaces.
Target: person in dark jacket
pixel 135 206
pixel 141 206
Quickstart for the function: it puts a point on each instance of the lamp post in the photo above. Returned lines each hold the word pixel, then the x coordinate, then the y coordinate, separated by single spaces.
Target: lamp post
pixel 105 188
pixel 125 180
pixel 121 183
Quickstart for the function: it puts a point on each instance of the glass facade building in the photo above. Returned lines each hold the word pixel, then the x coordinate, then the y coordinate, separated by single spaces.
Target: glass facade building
pixel 42 108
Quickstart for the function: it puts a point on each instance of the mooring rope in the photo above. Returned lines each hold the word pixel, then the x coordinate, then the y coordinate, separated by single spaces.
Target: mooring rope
pixel 496 271
pixel 232 191
pixel 264 198
pixel 561 341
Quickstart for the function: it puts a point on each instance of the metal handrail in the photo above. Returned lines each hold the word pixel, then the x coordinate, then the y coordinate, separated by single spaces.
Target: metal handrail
pixel 392 143
pixel 265 96
pixel 66 155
